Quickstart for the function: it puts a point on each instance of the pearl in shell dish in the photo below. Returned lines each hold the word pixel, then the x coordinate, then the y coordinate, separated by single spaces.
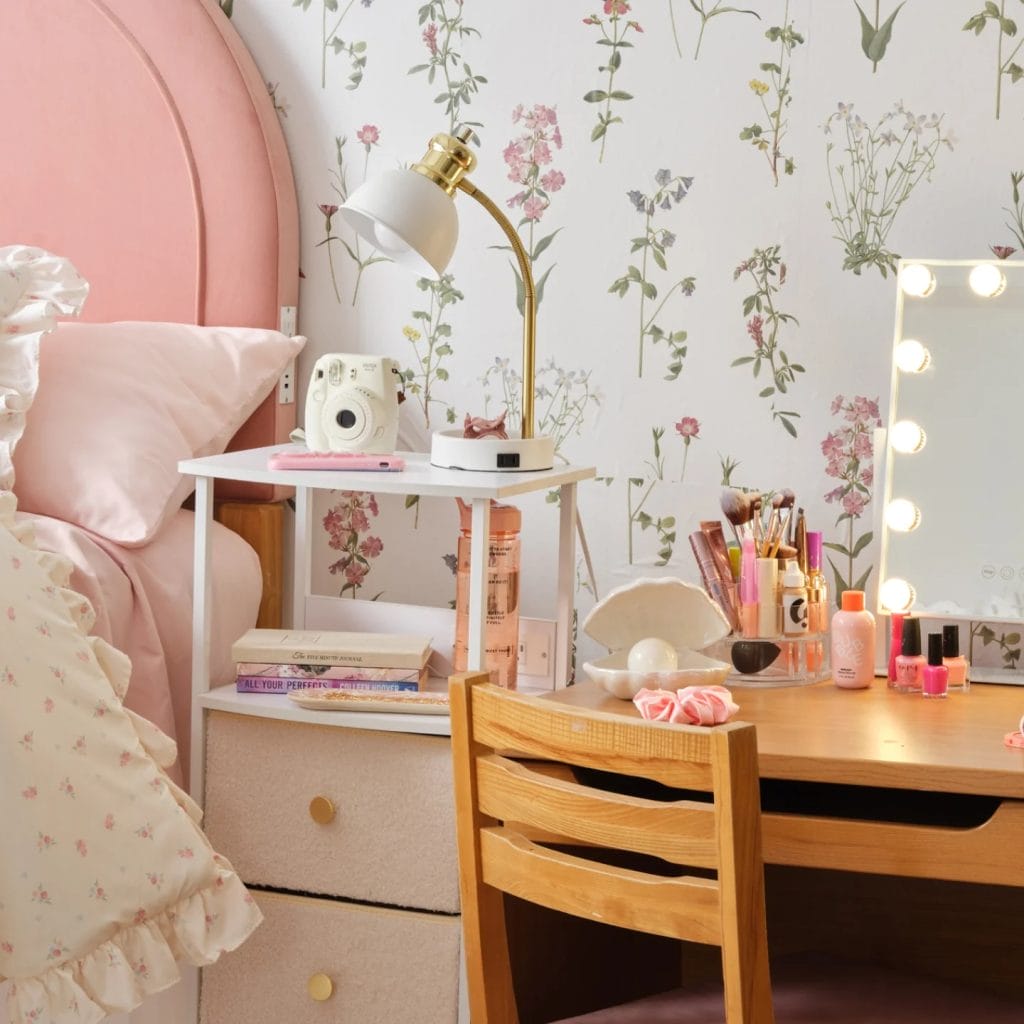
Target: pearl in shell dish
pixel 654 629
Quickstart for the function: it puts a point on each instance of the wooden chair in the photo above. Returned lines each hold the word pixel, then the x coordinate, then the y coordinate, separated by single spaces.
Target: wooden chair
pixel 511 814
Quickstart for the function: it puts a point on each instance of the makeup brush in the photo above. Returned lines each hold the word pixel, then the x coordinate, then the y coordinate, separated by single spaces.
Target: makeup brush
pixel 791 505
pixel 738 508
pixel 786 499
pixel 801 540
pixel 770 541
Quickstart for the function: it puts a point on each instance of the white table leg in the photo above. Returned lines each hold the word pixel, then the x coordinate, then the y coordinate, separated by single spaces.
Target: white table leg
pixel 202 600
pixel 566 584
pixel 479 553
pixel 303 560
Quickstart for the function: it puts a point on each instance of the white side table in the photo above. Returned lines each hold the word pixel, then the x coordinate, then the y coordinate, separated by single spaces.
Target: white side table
pixel 419 477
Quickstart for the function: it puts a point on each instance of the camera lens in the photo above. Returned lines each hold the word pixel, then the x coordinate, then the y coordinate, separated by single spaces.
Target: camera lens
pixel 346 419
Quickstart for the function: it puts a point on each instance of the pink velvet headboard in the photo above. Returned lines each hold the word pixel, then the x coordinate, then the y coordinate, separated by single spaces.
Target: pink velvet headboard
pixel 141 142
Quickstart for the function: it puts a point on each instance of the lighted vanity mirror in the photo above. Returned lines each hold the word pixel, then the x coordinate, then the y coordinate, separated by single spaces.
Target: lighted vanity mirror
pixel 953 536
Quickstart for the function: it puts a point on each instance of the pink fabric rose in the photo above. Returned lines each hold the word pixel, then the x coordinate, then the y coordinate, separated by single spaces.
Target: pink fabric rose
pixel 691 705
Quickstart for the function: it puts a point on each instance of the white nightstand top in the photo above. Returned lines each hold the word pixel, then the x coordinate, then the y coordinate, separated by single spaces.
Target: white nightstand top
pixel 418 477
pixel 278 706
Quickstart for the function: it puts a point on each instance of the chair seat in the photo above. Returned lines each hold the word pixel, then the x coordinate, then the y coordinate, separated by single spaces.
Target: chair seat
pixel 819 990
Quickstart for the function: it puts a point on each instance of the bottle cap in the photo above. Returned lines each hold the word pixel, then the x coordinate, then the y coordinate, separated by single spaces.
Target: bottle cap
pixel 935 648
pixel 911 637
pixel 814 549
pixel 951 641
pixel 504 518
pixel 793 577
pixel 853 600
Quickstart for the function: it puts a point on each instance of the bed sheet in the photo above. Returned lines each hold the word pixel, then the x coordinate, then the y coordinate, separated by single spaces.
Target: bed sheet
pixel 143 603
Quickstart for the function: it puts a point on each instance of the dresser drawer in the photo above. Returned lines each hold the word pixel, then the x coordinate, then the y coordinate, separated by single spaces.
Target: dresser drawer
pixel 373 965
pixel 347 812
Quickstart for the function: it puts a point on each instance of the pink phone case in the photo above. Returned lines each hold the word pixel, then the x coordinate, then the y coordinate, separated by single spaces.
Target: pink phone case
pixel 336 460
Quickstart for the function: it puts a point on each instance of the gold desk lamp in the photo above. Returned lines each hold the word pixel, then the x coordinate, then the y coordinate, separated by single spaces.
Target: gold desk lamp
pixel 409 216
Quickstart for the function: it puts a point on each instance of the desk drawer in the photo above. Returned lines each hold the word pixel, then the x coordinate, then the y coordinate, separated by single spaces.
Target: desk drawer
pixel 386 828
pixel 379 966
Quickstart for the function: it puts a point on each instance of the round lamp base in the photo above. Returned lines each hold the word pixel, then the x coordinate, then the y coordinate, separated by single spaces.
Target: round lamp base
pixel 450 450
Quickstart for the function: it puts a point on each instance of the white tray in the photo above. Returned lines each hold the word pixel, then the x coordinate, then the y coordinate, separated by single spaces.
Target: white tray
pixel 401 701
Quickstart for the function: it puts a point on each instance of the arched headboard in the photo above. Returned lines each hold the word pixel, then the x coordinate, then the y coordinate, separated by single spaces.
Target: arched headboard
pixel 141 142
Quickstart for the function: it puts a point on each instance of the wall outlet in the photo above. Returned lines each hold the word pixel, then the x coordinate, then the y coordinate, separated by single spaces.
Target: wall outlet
pixel 288 320
pixel 537 651
pixel 286 385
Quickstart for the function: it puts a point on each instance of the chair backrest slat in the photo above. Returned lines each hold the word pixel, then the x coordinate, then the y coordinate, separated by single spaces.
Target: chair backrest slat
pixel 681 908
pixel 677 756
pixel 681 832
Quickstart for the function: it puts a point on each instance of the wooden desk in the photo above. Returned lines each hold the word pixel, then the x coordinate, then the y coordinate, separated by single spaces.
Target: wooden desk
pixel 875 739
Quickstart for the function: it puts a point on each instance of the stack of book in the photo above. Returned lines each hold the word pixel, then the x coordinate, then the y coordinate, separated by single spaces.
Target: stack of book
pixel 283 660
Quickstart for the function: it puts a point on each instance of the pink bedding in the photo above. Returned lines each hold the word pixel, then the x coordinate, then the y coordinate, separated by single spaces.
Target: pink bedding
pixel 143 603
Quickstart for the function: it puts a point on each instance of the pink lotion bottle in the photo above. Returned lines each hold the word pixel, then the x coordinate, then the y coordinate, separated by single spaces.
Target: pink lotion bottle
pixel 935 677
pixel 853 643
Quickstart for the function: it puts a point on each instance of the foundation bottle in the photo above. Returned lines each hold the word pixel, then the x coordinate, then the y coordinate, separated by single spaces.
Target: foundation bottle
pixel 794 600
pixel 501 627
pixel 853 643
pixel 910 662
pixel 817 585
pixel 955 662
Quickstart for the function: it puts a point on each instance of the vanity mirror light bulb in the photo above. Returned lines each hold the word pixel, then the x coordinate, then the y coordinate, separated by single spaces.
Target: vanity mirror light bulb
pixel 896 595
pixel 911 356
pixel 987 280
pixel 907 437
pixel 917 280
pixel 902 515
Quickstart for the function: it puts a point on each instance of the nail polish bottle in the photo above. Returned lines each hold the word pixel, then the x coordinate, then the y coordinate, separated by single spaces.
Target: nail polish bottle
pixel 895 645
pixel 909 662
pixel 935 677
pixel 959 670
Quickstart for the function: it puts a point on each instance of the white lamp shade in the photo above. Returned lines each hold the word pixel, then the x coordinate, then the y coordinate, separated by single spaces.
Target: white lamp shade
pixel 407 217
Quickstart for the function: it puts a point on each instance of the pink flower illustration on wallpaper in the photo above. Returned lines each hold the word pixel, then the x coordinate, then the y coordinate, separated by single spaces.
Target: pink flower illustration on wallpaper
pixel 612 42
pixel 347 523
pixel 529 158
pixel 444 29
pixel 369 137
pixel 764 325
pixel 653 245
pixel 688 428
pixel 848 450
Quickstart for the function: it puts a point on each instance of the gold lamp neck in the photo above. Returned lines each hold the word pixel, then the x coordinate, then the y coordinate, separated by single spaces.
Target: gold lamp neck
pixel 447 161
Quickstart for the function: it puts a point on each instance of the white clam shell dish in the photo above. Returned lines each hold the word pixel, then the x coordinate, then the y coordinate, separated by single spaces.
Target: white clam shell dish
pixel 668 608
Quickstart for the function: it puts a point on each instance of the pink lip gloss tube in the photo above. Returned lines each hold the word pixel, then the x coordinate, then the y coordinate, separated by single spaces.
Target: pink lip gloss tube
pixel 935 679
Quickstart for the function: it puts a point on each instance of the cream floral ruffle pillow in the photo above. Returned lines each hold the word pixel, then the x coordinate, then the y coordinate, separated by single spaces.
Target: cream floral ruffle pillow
pixel 105 878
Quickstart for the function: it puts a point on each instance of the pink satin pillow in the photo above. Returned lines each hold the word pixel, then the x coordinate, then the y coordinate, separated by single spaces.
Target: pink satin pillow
pixel 118 405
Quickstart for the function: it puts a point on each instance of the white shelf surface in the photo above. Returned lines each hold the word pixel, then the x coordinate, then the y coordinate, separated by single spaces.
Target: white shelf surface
pixel 278 705
pixel 418 477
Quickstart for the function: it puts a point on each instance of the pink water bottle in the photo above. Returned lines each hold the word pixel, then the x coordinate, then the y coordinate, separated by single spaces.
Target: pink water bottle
pixel 501 628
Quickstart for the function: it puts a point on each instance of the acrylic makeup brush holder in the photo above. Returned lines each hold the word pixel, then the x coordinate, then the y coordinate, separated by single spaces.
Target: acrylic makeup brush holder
pixel 773 661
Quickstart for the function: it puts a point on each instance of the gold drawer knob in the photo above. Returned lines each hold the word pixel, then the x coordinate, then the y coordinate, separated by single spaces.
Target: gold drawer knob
pixel 321 810
pixel 321 988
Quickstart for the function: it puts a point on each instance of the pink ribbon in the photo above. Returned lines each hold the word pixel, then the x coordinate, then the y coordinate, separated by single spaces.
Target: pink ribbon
pixel 477 426
pixel 692 705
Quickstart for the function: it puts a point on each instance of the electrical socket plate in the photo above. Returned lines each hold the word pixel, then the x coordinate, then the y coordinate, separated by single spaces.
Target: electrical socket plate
pixel 537 652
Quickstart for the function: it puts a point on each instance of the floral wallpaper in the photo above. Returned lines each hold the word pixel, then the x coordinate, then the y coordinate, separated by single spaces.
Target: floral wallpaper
pixel 714 198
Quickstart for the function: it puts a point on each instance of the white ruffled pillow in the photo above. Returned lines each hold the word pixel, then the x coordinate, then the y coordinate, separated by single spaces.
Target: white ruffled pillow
pixel 35 287
pixel 105 878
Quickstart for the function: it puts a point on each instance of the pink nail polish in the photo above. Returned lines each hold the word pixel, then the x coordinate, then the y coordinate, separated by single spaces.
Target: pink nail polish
pixel 935 679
